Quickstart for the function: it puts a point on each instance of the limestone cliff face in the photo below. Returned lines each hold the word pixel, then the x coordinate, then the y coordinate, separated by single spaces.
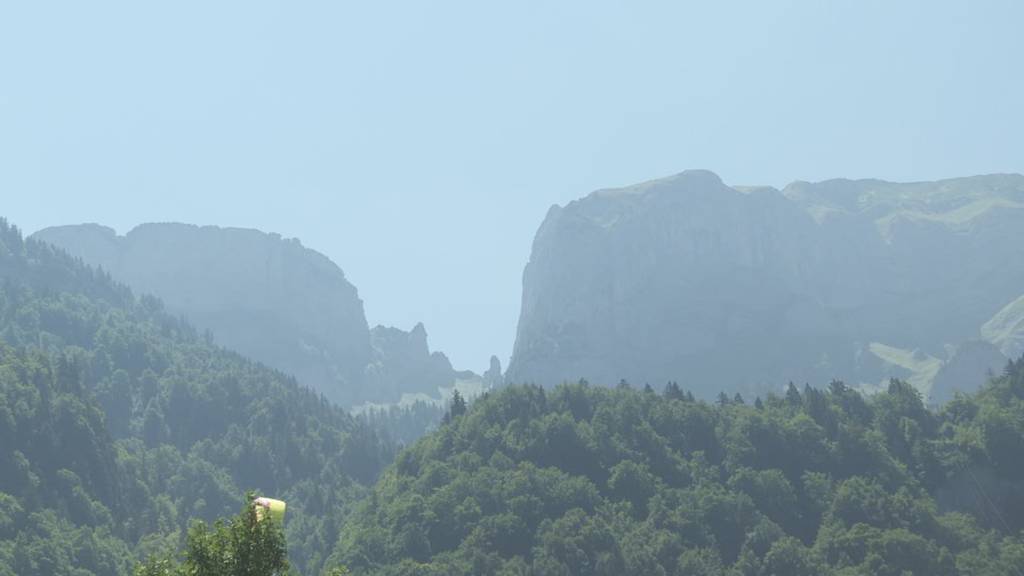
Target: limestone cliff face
pixel 405 364
pixel 267 297
pixel 688 279
pixel 493 377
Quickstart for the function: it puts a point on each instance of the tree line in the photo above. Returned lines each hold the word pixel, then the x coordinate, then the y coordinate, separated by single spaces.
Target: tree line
pixel 589 480
pixel 120 425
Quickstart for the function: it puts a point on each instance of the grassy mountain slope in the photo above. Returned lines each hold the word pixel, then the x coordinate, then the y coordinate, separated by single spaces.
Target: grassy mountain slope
pixel 1006 328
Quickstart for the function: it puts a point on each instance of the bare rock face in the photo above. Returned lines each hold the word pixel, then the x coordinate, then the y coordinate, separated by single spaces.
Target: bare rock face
pixel 972 363
pixel 266 297
pixel 492 377
pixel 744 289
pixel 404 364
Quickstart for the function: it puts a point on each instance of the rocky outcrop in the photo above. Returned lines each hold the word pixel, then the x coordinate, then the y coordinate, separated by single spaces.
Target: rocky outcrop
pixel 270 299
pixel 688 279
pixel 492 377
pixel 403 363
pixel 967 369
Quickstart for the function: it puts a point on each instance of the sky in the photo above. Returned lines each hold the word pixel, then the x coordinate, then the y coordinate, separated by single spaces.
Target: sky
pixel 420 144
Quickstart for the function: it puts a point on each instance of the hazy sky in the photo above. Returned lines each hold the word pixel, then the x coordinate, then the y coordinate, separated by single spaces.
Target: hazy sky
pixel 419 144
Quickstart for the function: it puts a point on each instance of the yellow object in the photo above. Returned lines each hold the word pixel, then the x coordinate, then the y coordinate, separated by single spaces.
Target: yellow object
pixel 269 506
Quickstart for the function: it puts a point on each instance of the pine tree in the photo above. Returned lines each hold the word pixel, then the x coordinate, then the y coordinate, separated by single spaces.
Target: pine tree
pixel 793 395
pixel 458 407
pixel 672 391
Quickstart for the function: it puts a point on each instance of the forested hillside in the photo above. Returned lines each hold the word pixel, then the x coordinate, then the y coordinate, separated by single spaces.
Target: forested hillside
pixel 587 480
pixel 119 423
pixel 269 298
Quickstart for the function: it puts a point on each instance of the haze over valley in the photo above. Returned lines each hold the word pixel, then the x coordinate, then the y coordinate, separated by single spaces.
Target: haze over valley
pixel 583 288
pixel 861 281
pixel 668 280
pixel 271 299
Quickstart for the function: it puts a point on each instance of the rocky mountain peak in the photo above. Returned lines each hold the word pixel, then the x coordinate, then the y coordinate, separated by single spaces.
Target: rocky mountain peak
pixel 685 278
pixel 269 298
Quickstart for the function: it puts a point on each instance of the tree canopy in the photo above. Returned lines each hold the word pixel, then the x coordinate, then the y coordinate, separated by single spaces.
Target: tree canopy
pixel 245 545
pixel 582 480
pixel 124 433
pixel 120 424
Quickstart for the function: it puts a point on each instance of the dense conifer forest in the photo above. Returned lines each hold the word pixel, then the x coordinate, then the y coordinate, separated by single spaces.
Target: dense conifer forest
pixel 587 480
pixel 119 425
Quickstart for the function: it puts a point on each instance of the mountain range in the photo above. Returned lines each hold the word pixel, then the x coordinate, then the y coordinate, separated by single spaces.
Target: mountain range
pixel 747 288
pixel 686 279
pixel 129 411
pixel 271 299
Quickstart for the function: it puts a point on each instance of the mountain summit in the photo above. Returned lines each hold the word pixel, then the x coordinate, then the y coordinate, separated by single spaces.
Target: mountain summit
pixel 268 297
pixel 687 279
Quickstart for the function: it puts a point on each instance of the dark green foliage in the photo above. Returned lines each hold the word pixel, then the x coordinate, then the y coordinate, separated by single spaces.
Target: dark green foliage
pixel 592 480
pixel 242 545
pixel 120 424
pixel 456 408
pixel 403 425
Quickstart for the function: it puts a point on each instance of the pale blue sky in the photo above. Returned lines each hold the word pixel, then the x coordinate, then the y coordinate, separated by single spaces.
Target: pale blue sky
pixel 419 144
